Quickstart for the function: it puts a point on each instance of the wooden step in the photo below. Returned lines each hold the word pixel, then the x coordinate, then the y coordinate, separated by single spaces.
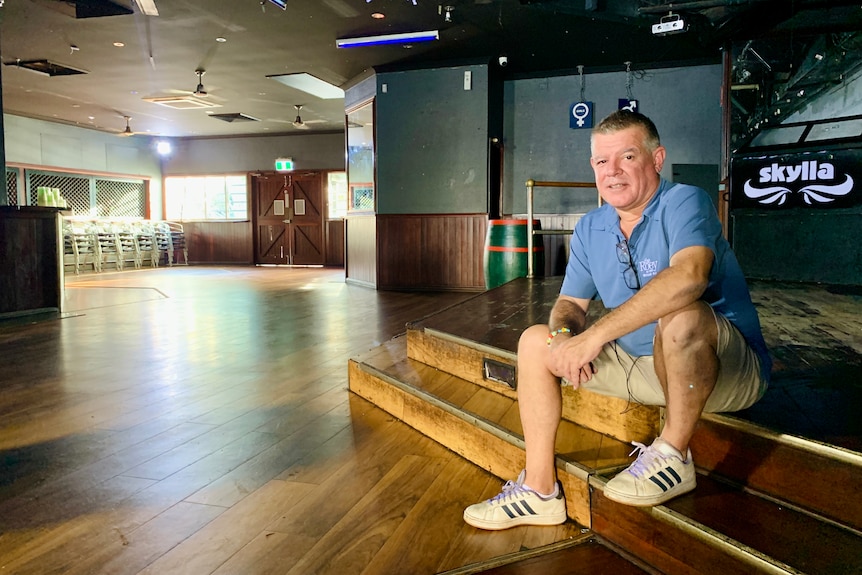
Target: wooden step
pixel 817 477
pixel 820 478
pixel 587 555
pixel 480 425
pixel 718 528
pixel 724 526
pixel 467 360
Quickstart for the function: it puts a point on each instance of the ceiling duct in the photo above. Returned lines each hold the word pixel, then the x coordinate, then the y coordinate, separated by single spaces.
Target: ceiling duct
pixel 87 8
pixel 182 102
pixel 46 67
pixel 237 117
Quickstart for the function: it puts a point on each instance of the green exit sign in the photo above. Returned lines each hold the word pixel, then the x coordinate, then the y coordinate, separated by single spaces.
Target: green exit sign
pixel 284 164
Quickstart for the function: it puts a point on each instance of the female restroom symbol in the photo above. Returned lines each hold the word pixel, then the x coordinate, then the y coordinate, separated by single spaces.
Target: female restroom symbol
pixel 581 115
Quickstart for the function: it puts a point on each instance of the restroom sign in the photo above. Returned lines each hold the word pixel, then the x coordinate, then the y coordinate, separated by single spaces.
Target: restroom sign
pixel 626 104
pixel 581 115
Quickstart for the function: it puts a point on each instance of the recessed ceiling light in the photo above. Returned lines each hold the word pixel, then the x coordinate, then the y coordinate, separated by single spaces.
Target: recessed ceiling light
pixel 378 15
pixel 221 39
pixel 119 44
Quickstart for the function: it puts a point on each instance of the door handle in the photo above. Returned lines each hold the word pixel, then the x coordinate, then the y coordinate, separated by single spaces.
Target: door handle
pixel 286 221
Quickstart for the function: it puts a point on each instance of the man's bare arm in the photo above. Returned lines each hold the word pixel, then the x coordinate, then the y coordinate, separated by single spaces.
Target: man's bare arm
pixel 672 289
pixel 569 312
pixel 675 287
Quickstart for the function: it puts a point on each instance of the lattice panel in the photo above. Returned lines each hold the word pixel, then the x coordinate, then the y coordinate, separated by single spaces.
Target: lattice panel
pixel 76 190
pixel 113 198
pixel 117 198
pixel 12 187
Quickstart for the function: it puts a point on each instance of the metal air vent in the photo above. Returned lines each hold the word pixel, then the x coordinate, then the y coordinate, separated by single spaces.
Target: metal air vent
pixel 182 102
pixel 238 117
pixel 46 67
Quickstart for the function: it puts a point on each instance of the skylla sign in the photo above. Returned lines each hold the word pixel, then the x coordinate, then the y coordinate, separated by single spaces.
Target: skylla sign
pixel 807 180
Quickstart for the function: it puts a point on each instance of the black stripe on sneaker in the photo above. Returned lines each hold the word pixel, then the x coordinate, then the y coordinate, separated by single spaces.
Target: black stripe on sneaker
pixel 674 473
pixel 516 506
pixel 528 508
pixel 659 483
pixel 666 482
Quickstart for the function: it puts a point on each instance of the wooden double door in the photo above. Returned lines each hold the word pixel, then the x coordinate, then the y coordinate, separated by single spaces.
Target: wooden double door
pixel 289 218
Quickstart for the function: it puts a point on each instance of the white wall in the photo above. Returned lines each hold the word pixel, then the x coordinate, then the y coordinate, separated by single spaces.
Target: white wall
pixel 240 155
pixel 59 146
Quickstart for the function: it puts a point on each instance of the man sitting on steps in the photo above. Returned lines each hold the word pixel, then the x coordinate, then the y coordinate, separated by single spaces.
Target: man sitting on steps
pixel 681 332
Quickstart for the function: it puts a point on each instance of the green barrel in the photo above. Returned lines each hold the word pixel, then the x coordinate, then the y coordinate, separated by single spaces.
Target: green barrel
pixel 506 252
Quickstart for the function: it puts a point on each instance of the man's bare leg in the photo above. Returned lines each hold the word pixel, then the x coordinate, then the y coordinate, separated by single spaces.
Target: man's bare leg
pixel 687 367
pixel 540 404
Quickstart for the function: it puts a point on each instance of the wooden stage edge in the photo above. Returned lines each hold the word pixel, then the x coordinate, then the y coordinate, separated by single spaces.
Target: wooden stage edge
pixel 814 334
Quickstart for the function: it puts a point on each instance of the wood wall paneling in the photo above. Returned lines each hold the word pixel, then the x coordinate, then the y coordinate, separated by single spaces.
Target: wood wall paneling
pixel 431 251
pixel 335 242
pixel 220 242
pixel 361 251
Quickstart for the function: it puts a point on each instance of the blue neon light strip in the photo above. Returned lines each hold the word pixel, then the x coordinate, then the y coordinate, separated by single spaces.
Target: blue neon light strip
pixel 404 38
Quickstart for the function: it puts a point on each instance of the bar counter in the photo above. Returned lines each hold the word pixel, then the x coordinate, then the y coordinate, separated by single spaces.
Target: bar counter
pixel 31 260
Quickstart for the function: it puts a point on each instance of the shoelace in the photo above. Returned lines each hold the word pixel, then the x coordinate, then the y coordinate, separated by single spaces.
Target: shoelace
pixel 646 459
pixel 510 489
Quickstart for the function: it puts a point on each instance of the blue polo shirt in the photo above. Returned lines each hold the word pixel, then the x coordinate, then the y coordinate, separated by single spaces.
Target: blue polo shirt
pixel 678 216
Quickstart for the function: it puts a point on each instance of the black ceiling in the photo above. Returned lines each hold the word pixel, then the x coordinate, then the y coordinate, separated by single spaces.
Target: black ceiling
pixel 161 53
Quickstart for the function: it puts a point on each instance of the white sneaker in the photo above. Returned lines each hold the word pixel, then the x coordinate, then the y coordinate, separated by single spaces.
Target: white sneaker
pixel 516 505
pixel 657 475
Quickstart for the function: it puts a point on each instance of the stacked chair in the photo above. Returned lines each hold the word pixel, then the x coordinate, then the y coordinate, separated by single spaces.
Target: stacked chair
pixel 145 236
pixel 171 240
pixel 80 249
pixel 121 244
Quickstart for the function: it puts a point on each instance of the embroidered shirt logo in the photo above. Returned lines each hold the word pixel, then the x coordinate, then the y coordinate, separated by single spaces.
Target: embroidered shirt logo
pixel 809 173
pixel 647 268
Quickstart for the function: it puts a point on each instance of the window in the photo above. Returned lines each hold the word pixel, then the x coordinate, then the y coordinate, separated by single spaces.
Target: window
pixel 206 198
pixel 337 184
pixel 360 158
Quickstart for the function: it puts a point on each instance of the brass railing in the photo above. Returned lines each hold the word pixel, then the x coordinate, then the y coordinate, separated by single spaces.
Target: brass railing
pixel 530 231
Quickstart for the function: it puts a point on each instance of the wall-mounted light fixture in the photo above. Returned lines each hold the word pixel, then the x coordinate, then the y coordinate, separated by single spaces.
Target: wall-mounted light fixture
pixel 163 148
pixel 405 38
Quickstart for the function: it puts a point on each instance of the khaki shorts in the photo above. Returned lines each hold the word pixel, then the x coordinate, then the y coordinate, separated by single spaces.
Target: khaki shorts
pixel 632 378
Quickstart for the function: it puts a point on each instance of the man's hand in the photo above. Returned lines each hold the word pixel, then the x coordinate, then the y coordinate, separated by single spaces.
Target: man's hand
pixel 572 356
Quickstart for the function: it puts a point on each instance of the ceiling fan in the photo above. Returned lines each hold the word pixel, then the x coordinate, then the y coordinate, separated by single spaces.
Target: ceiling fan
pixel 298 123
pixel 200 91
pixel 128 131
pixel 301 124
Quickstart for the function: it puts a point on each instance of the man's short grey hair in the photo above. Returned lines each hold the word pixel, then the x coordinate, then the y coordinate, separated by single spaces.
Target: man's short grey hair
pixel 623 119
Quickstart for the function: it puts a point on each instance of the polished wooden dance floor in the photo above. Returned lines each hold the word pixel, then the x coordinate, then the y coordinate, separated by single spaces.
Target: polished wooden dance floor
pixel 197 420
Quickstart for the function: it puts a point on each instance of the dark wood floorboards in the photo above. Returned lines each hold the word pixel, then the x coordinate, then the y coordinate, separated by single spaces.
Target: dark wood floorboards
pixel 197 420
